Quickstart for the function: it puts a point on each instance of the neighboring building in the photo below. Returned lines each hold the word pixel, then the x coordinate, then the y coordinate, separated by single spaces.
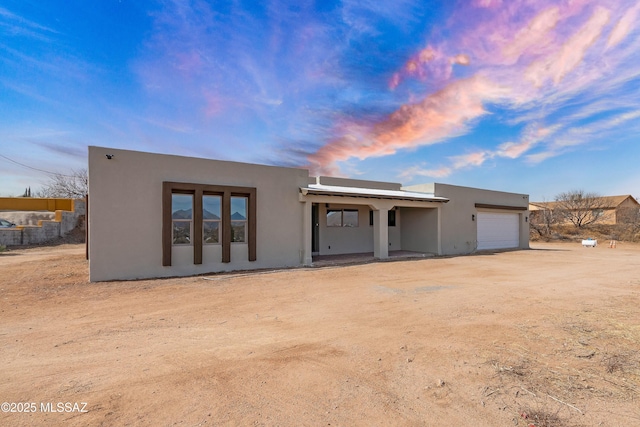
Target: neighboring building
pixel 611 209
pixel 154 215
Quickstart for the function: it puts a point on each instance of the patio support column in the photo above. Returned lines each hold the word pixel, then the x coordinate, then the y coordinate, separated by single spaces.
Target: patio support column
pixel 381 233
pixel 307 229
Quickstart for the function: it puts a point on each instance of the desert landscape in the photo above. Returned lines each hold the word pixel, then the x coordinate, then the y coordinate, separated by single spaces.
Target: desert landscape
pixel 542 337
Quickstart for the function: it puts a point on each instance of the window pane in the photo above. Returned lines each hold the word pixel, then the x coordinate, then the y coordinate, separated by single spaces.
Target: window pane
pixel 181 232
pixel 211 231
pixel 211 207
pixel 392 219
pixel 349 218
pixel 238 231
pixel 238 208
pixel 182 206
pixel 334 218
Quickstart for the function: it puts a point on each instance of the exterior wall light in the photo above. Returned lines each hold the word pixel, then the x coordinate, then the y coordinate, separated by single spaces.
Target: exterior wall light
pixel 109 156
pixel 473 217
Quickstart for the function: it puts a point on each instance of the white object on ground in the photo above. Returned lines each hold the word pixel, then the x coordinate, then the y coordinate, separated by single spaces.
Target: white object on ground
pixel 590 242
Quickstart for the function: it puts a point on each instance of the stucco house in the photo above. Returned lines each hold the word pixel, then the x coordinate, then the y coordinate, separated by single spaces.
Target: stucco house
pixel 156 215
pixel 611 209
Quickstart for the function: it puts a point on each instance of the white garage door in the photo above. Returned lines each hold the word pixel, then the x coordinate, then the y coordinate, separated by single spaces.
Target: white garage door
pixel 498 230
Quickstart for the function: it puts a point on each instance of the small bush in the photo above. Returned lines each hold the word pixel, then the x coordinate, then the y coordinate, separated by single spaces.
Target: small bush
pixel 600 232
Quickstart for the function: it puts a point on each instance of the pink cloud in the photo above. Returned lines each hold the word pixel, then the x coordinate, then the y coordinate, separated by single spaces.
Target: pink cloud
pixel 457 162
pixel 440 115
pixel 531 137
pixel 571 53
pixel 525 55
pixel 213 104
pixel 513 150
pixel 535 37
pixel 624 26
pixel 487 3
pixel 461 59
pixel 427 64
pixel 471 159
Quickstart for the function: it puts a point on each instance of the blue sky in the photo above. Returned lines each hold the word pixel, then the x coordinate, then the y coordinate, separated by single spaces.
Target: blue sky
pixel 535 97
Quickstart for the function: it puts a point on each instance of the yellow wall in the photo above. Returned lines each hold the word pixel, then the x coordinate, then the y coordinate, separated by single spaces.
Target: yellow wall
pixel 35 204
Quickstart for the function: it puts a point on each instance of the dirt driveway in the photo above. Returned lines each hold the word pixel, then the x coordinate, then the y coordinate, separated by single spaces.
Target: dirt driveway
pixel 546 337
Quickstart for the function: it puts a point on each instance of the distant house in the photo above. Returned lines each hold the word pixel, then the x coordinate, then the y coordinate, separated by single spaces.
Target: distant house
pixel 611 209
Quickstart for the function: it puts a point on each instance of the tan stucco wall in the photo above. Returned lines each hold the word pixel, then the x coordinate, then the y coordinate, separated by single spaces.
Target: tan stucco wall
pixel 420 230
pixel 458 231
pixel 125 214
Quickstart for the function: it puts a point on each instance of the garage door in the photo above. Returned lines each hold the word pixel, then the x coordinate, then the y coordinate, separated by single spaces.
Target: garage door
pixel 498 230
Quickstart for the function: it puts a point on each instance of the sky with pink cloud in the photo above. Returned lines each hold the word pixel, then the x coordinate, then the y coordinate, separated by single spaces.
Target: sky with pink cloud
pixel 529 96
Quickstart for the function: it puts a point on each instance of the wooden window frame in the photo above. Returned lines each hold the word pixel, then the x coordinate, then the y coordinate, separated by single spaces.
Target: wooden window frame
pixel 199 190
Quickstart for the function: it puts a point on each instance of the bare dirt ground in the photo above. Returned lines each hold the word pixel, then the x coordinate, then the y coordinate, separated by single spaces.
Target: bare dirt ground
pixel 546 337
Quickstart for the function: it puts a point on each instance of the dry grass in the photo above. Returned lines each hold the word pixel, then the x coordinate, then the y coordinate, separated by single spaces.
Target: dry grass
pixel 592 356
pixel 600 232
pixel 625 363
pixel 542 418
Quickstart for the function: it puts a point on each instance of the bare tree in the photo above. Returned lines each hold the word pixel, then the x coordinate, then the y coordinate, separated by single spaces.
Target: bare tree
pixel 542 219
pixel 579 207
pixel 73 186
pixel 628 224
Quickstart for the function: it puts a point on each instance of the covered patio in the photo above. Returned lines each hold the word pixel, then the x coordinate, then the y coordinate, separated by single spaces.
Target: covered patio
pixel 366 257
pixel 362 237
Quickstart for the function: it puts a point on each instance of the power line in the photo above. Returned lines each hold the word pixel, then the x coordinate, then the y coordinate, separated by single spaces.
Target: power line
pixel 35 169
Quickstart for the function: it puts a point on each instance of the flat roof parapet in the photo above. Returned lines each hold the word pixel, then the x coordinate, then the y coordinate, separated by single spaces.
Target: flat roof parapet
pixel 375 193
pixel 357 183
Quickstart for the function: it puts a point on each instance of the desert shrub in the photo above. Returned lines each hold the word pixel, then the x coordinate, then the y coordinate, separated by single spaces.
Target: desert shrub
pixel 601 232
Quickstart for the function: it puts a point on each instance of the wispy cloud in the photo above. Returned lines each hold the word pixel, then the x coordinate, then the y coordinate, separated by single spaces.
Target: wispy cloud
pixel 65 147
pixel 259 60
pixel 625 25
pixel 420 171
pixel 56 142
pixel 569 54
pixel 441 115
pixel 16 25
pixel 536 60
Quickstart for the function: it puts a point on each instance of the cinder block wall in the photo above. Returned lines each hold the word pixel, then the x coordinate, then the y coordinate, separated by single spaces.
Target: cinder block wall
pixel 46 230
pixel 35 204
